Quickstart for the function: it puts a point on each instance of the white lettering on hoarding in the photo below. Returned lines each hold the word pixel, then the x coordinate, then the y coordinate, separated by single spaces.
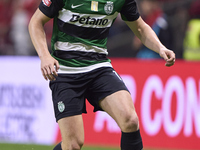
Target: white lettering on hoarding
pixel 151 125
pixel 174 85
pixel 187 108
pixel 102 118
pixel 192 108
pixel 131 85
pixel 187 112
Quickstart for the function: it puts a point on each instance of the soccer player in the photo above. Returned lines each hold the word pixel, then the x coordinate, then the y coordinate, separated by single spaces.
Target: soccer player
pixel 79 69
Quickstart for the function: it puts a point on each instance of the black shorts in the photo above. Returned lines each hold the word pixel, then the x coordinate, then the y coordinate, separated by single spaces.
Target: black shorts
pixel 69 91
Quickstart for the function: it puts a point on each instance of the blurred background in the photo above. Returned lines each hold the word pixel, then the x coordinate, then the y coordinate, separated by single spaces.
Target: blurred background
pixel 25 100
pixel 176 22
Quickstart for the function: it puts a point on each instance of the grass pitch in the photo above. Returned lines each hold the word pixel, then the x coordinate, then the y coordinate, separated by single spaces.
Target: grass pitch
pixel 11 146
pixel 8 146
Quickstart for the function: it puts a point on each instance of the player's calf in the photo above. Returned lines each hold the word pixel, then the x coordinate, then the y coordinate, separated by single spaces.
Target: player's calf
pixel 131 141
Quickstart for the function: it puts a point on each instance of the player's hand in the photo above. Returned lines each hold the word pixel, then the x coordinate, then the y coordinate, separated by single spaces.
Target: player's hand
pixel 168 55
pixel 49 67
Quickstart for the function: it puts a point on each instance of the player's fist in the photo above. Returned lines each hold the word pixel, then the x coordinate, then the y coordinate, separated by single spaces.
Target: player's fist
pixel 168 56
pixel 49 67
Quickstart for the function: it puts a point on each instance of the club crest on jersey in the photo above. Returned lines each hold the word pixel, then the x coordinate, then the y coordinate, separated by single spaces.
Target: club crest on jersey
pixel 108 8
pixel 47 2
pixel 61 106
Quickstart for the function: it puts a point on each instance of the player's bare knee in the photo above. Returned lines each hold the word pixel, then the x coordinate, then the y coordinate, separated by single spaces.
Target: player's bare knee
pixel 130 124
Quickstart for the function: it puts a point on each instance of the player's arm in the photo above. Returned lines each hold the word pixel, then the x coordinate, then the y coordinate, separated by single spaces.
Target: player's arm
pixel 38 37
pixel 148 37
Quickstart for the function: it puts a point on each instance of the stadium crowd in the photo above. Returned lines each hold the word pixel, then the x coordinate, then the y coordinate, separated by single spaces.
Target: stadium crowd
pixel 176 22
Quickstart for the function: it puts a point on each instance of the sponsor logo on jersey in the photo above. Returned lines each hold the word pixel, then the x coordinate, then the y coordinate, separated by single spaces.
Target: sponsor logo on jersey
pixel 108 8
pixel 88 20
pixel 75 6
pixel 47 2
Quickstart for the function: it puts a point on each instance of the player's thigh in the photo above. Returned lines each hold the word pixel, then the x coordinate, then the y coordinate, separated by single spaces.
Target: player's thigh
pixel 120 107
pixel 72 130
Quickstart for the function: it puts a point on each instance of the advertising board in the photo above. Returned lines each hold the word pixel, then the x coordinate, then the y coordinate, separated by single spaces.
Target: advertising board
pixel 167 101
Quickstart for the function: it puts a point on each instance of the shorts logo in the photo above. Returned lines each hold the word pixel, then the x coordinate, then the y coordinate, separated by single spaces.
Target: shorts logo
pixel 61 106
pixel 47 2
pixel 109 7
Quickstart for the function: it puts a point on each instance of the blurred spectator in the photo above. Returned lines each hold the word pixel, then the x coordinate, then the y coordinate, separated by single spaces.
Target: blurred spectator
pixel 194 10
pixel 153 15
pixel 177 12
pixel 19 27
pixel 168 18
pixel 192 38
pixel 5 18
pixel 120 40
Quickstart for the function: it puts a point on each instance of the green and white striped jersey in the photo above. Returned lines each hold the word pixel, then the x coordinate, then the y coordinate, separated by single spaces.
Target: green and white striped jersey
pixel 81 29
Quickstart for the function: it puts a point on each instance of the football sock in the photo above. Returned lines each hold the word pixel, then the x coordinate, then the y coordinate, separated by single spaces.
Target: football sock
pixel 58 147
pixel 131 141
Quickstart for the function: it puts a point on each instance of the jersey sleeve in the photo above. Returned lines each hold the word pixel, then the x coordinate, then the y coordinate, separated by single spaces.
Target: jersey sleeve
pixel 129 11
pixel 51 7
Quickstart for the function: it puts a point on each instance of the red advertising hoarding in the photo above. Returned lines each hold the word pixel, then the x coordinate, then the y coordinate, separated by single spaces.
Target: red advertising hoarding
pixel 167 101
